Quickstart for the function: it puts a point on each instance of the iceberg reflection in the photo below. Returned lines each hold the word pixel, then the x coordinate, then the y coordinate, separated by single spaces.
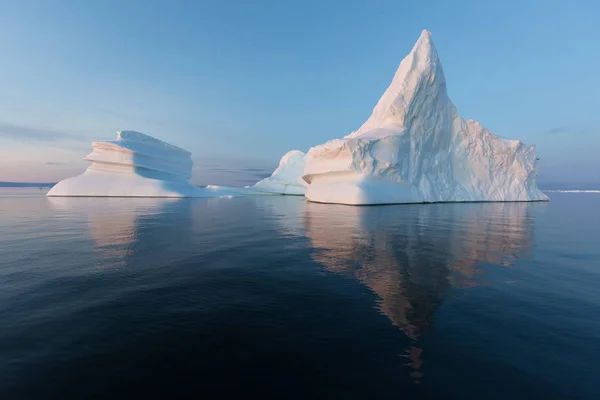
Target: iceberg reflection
pixel 411 255
pixel 117 226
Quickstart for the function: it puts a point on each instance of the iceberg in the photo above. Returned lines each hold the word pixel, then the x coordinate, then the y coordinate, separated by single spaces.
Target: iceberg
pixel 287 178
pixel 416 148
pixel 134 165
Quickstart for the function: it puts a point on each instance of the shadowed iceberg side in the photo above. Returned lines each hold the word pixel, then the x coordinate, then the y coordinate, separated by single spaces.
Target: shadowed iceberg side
pixel 134 165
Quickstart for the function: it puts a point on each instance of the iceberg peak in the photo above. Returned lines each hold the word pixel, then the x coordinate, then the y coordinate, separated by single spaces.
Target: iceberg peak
pixel 425 39
pixel 419 83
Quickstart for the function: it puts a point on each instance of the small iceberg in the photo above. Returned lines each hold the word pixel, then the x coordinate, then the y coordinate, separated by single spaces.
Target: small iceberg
pixel 287 178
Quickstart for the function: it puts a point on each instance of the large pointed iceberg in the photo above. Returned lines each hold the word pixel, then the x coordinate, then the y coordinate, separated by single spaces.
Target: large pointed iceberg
pixel 416 148
pixel 134 165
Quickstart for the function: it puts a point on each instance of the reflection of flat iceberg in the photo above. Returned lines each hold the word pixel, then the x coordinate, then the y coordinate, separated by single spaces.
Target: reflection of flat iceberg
pixel 415 148
pixel 134 165
pixel 122 228
pixel 287 178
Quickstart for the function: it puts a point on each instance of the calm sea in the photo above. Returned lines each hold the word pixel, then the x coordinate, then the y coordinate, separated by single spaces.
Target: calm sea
pixel 275 297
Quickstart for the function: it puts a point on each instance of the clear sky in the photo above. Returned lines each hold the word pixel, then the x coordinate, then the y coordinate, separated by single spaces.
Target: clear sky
pixel 239 83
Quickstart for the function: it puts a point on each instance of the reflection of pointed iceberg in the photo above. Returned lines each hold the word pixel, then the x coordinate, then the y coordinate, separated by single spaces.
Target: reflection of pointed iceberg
pixel 411 256
pixel 134 165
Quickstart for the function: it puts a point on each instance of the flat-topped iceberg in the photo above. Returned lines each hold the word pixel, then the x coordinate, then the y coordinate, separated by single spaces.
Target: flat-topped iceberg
pixel 416 148
pixel 134 165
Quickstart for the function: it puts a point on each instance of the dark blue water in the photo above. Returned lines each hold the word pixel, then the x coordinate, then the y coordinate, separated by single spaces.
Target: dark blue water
pixel 274 297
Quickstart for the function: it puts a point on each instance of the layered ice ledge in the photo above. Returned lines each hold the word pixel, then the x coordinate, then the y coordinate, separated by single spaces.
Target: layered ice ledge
pixel 134 165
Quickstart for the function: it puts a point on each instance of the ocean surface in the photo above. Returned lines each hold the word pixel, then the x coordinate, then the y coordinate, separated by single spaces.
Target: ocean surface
pixel 275 297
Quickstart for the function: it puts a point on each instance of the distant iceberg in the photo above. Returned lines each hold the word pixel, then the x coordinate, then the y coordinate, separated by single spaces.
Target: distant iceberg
pixel 134 165
pixel 416 148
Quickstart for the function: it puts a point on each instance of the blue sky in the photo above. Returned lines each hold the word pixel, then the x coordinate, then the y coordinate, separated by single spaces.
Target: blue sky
pixel 239 83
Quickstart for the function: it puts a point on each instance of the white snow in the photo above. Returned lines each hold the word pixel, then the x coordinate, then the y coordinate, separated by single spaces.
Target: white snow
pixel 134 165
pixel 287 178
pixel 415 147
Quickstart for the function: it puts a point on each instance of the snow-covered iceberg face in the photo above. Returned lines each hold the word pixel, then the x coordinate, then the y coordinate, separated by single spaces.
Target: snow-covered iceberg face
pixel 134 165
pixel 416 148
pixel 134 152
pixel 415 98
pixel 287 178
